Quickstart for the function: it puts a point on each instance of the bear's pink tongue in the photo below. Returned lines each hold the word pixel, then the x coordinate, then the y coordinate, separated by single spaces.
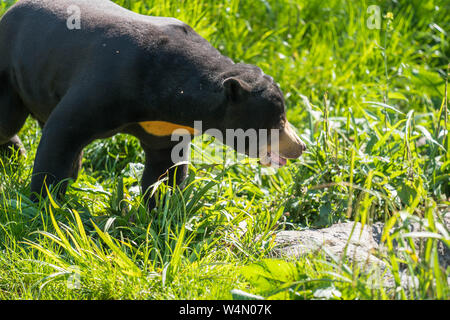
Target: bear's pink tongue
pixel 273 160
pixel 276 159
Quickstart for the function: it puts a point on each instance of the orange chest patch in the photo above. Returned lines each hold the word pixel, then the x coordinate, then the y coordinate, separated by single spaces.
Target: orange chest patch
pixel 164 128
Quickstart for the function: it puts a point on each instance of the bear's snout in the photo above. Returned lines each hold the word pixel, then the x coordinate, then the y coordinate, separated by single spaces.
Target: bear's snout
pixel 290 144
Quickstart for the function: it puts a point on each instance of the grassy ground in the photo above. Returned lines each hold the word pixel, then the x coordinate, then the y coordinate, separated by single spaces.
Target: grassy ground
pixel 371 103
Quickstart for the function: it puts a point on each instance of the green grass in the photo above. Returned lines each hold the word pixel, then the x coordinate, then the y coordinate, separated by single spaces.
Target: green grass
pixel 372 105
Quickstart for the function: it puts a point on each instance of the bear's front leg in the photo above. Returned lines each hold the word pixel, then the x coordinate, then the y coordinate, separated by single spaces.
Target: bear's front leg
pixel 74 123
pixel 158 165
pixel 57 159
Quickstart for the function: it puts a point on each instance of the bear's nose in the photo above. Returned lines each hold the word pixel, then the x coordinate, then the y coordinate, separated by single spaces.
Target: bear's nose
pixel 303 146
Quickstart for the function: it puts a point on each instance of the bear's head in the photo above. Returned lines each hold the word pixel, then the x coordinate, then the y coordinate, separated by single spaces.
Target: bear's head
pixel 255 110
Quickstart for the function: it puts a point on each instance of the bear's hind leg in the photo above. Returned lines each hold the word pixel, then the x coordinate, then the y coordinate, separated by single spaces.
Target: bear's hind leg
pixel 12 117
pixel 74 123
pixel 13 145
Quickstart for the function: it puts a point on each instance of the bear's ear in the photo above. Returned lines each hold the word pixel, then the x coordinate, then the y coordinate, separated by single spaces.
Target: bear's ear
pixel 235 89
